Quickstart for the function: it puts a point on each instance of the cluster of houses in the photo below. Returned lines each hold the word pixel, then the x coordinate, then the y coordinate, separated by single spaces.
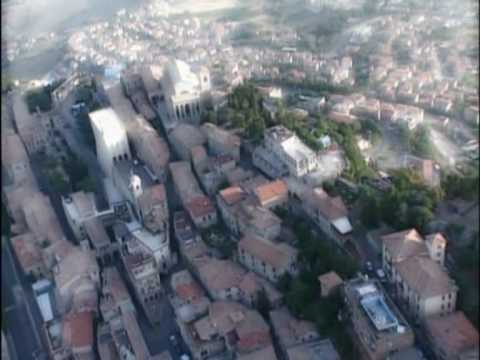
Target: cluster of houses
pixel 65 277
pixel 418 83
pixel 214 299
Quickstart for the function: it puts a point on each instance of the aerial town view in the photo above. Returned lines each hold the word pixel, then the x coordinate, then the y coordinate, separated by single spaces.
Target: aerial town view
pixel 240 179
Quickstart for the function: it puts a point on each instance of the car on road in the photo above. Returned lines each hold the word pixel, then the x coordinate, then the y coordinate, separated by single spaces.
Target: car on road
pixel 381 274
pixel 369 266
pixel 184 357
pixel 174 340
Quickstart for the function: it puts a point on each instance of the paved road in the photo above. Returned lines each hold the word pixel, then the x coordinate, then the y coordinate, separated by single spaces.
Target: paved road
pixel 22 316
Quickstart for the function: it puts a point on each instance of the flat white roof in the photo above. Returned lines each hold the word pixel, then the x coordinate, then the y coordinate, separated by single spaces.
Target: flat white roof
pixel 366 289
pixel 296 148
pixel 107 122
pixel 41 285
pixel 342 225
pixel 45 306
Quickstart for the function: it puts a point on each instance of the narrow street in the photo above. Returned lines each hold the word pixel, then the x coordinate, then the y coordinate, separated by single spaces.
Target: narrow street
pixel 22 317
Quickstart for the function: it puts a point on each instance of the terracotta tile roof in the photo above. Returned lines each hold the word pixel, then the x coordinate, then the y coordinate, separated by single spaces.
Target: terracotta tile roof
pixel 453 332
pixel 251 330
pixel 199 206
pixel 28 254
pixel 330 279
pixel 276 255
pixel 232 195
pixel 153 195
pixel 404 244
pixel 220 274
pixel 290 330
pixel 198 153
pixel 329 207
pixel 249 284
pixel 185 286
pixel 425 276
pixel 78 329
pixel 271 191
pixel 189 291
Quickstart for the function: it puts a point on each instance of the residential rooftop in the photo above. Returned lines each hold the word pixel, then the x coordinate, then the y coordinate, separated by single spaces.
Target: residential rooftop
pixel 278 255
pixel 404 244
pixel 315 350
pixel 220 274
pixel 78 330
pixel 271 191
pixel 291 331
pixel 453 332
pixel 378 312
pixel 425 276
pixel 109 124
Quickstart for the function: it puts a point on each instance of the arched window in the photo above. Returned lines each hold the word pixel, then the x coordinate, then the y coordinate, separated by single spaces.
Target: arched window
pixel 125 156
pixel 178 112
pixel 198 107
pixel 114 159
pixel 187 109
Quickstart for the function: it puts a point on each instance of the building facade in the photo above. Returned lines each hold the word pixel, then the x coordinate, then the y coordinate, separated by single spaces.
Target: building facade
pixel 185 91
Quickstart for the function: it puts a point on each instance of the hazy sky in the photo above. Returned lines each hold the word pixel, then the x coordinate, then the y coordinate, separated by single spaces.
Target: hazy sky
pixel 29 17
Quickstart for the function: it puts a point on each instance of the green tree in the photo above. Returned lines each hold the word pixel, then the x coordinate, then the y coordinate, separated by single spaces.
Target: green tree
pixel 421 144
pixel 370 211
pixel 419 217
pixel 58 182
pixel 40 98
pixel 284 282
pixel 299 296
pixel 86 184
pixel 263 304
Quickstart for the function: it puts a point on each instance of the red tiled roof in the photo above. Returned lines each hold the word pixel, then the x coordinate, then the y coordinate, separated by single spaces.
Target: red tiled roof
pixel 199 206
pixel 232 195
pixel 189 291
pixel 78 329
pixel 270 191
pixel 453 332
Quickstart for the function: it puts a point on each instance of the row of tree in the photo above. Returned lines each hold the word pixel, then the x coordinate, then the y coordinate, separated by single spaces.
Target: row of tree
pixel 409 203
pixel 41 97
pixel 77 175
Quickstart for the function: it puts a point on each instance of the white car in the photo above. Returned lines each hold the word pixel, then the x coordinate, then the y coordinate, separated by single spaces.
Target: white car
pixel 184 357
pixel 369 266
pixel 381 274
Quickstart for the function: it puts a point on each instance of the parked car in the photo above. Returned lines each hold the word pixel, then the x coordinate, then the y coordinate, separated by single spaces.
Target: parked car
pixel 184 357
pixel 381 274
pixel 174 340
pixel 369 266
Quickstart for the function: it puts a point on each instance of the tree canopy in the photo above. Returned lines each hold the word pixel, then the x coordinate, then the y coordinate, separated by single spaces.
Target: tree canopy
pixel 409 203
